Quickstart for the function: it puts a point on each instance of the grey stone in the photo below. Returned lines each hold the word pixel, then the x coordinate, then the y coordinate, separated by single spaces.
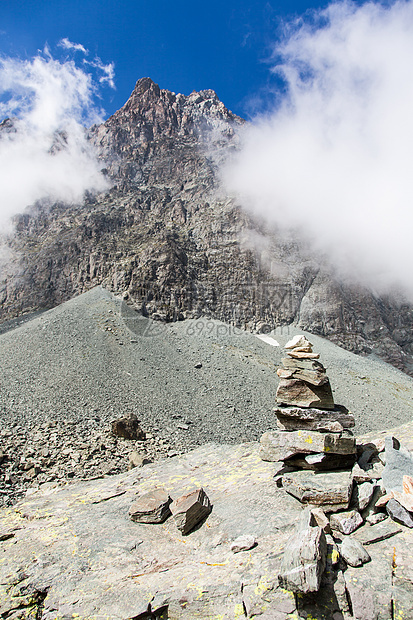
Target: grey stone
pixel 304 561
pixel 346 522
pixel 243 543
pixel 330 490
pixel 375 517
pixel 152 507
pixel 281 445
pixel 363 494
pixel 320 518
pixel 398 513
pixel 399 462
pixel 301 394
pixel 353 552
pixel 190 509
pixel 135 459
pixel 295 418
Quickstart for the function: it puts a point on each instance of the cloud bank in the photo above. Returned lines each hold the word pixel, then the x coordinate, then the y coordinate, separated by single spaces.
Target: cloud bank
pixel 335 157
pixel 44 153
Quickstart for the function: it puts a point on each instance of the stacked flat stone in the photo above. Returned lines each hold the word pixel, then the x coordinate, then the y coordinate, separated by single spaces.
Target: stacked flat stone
pixel 313 433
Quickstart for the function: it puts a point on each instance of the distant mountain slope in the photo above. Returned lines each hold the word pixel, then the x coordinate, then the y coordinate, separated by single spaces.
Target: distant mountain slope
pixel 95 357
pixel 168 238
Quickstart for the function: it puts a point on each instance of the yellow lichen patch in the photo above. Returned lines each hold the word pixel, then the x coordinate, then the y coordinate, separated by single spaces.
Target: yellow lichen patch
pixel 262 586
pixel 334 556
pixel 309 439
pixel 239 611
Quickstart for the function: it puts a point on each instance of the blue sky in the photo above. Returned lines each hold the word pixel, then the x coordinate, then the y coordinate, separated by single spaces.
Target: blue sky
pixel 181 45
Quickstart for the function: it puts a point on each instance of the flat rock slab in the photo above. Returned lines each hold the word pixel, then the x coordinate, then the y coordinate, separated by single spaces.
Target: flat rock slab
pixel 302 394
pixel 331 491
pixel 79 543
pixel 296 418
pixel 152 507
pixel 281 445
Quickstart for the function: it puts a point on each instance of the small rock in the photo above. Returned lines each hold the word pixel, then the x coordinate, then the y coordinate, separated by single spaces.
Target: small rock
pixel 302 394
pixel 398 513
pixel 321 519
pixel 153 507
pixel 298 341
pixel 243 543
pixel 190 509
pixel 376 517
pixel 330 490
pixel 353 552
pixel 135 460
pixel 346 522
pixel 198 365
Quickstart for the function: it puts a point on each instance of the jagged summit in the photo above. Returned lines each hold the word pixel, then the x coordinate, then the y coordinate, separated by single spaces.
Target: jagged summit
pixel 155 114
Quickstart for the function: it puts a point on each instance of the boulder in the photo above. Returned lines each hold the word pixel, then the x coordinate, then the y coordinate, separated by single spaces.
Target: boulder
pixel 128 428
pixel 399 462
pixel 302 394
pixel 296 418
pixel 152 507
pixel 190 509
pixel 304 561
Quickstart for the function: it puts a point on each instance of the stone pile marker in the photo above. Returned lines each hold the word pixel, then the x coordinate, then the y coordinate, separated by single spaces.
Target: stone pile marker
pixel 319 463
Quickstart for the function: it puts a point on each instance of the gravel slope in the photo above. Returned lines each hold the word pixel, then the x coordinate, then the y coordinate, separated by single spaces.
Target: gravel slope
pixel 68 372
pixel 95 358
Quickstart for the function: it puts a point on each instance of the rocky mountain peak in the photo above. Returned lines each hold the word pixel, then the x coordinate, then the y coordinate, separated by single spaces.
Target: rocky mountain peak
pixel 170 240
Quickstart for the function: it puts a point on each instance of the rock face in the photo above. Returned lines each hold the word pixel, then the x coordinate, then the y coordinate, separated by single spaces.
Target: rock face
pixel 168 237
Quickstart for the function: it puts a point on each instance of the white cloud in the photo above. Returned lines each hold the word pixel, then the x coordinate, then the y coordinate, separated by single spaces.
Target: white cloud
pixel 44 153
pixel 107 70
pixel 335 158
pixel 76 47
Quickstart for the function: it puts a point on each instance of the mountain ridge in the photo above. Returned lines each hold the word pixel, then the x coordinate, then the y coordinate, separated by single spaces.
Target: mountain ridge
pixel 169 239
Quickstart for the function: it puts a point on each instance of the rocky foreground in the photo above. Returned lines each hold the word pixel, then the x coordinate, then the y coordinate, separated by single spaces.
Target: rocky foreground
pixel 73 551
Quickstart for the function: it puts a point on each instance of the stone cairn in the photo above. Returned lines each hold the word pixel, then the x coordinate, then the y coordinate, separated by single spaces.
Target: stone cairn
pixel 313 433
